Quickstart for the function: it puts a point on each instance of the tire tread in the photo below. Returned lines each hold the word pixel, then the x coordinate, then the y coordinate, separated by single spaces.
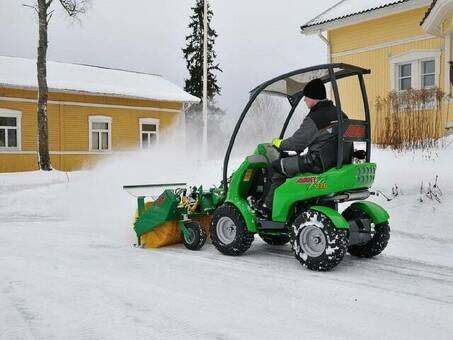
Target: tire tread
pixel 243 239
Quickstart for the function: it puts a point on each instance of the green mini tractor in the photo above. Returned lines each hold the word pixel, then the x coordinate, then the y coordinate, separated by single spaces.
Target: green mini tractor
pixel 305 208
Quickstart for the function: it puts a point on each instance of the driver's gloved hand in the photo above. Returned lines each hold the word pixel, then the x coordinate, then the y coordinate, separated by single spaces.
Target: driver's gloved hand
pixel 276 142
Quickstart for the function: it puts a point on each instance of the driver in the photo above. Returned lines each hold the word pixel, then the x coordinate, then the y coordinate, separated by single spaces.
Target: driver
pixel 318 133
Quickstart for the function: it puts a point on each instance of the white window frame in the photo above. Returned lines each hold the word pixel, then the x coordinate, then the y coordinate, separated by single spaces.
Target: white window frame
pixel 423 74
pixel 99 119
pixel 18 115
pixel 153 121
pixel 415 58
pixel 399 77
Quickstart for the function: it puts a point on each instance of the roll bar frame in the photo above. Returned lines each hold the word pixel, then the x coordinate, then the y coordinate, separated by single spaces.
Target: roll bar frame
pixel 346 70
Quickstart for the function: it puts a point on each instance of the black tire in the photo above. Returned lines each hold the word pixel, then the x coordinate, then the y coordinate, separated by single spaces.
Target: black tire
pixel 275 240
pixel 198 236
pixel 328 244
pixel 240 239
pixel 379 240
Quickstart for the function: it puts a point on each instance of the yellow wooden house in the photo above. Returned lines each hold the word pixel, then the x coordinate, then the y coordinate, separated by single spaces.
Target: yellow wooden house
pixel 406 44
pixel 93 112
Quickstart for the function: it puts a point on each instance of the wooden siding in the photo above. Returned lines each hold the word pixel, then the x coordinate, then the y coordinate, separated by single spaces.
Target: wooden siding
pixel 374 40
pixel 11 162
pixel 378 82
pixel 447 24
pixel 378 31
pixel 69 127
pixel 94 99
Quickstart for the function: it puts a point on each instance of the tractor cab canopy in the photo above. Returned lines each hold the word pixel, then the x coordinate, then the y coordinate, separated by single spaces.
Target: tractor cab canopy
pixel 291 86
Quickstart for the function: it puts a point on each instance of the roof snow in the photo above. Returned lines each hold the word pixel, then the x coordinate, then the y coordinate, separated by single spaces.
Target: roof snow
pixel 61 77
pixel 348 8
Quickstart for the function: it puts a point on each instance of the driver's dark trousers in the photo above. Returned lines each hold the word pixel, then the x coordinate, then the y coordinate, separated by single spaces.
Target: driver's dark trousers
pixel 284 168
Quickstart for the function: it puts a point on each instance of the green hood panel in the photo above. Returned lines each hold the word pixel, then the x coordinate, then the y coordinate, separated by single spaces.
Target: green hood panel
pixel 307 186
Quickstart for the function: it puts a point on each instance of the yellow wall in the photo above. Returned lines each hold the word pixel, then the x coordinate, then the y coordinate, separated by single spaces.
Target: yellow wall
pixel 18 162
pixel 95 99
pixel 378 31
pixel 69 127
pixel 365 36
pixel 447 24
pixel 378 82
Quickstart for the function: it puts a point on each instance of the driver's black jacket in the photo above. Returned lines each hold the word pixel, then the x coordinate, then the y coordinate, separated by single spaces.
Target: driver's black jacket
pixel 318 133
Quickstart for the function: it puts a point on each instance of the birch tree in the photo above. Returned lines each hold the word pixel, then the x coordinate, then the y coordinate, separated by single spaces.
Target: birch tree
pixel 44 10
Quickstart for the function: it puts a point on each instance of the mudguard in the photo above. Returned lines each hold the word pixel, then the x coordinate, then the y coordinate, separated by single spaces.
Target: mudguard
pixel 376 212
pixel 337 219
pixel 247 214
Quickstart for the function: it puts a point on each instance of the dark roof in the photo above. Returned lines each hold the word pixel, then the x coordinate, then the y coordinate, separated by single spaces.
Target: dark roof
pixel 318 21
pixel 428 12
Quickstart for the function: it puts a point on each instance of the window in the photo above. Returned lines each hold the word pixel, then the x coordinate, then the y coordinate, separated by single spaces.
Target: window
pixel 100 138
pixel 10 121
pixel 404 77
pixel 416 69
pixel 149 132
pixel 428 73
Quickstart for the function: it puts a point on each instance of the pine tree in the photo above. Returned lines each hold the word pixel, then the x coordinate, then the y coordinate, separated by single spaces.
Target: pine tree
pixel 193 53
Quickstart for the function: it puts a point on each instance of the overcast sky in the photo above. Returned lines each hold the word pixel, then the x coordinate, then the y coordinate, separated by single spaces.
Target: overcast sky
pixel 257 39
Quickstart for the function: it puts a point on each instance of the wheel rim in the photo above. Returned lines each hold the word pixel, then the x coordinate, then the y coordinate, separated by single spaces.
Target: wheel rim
pixel 191 237
pixel 312 241
pixel 226 230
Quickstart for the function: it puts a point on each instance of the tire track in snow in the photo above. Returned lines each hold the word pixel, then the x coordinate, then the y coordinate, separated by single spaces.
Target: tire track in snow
pixel 14 312
pixel 365 272
pixel 423 237
pixel 18 188
pixel 29 218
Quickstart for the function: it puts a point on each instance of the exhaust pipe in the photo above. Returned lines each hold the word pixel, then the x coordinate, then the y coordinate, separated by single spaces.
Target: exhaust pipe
pixel 348 196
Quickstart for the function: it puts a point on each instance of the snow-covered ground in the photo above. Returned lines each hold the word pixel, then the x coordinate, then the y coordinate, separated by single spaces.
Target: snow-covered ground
pixel 68 270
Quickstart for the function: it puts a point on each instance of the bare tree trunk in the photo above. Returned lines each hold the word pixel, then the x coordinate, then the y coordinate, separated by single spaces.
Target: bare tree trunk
pixel 43 143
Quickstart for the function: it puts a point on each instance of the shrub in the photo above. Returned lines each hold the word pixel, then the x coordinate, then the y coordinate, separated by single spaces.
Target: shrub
pixel 410 119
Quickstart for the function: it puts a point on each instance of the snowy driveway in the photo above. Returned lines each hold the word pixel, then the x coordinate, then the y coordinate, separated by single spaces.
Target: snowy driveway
pixel 57 283
pixel 68 271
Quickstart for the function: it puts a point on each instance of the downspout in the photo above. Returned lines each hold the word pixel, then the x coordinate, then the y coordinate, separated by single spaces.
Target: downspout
pixel 447 84
pixel 447 49
pixel 327 42
pixel 329 58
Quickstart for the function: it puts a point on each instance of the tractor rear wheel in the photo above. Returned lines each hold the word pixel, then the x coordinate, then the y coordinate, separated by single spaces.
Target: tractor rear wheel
pixel 275 240
pixel 380 235
pixel 197 236
pixel 229 232
pixel 316 243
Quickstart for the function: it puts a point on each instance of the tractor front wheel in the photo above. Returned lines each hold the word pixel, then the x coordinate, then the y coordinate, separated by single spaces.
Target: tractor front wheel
pixel 197 236
pixel 316 243
pixel 229 232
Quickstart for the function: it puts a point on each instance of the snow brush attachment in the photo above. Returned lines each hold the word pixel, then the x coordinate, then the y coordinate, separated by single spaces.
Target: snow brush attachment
pixel 178 214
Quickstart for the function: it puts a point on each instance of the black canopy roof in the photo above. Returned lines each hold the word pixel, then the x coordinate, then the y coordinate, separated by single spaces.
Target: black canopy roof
pixel 292 83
